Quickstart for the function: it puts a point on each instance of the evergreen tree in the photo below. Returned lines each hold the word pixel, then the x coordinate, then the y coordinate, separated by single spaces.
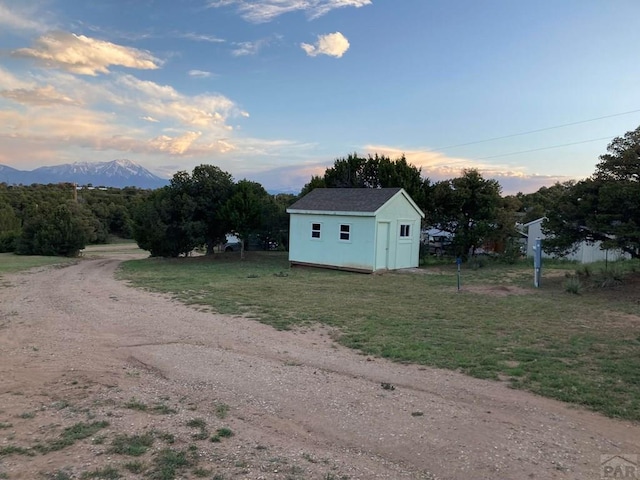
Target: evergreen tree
pixel 604 207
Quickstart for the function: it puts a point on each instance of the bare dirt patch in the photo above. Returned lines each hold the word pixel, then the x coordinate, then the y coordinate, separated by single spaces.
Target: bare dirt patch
pixel 497 290
pixel 81 350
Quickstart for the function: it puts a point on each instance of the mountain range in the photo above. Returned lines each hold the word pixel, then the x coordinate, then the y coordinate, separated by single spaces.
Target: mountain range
pixel 117 173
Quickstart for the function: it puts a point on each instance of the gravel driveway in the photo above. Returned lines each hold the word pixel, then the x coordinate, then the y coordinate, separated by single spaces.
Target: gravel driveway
pixel 76 345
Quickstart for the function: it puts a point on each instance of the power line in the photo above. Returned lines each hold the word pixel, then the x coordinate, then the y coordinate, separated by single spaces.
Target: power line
pixel 544 148
pixel 538 130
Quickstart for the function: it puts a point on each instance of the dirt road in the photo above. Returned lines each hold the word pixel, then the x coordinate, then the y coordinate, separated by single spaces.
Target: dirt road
pixel 78 346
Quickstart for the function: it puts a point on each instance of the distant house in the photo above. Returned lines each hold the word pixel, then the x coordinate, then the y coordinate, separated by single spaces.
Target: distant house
pixel 358 229
pixel 585 253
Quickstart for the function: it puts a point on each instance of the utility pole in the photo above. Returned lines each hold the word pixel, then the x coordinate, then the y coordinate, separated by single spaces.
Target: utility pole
pixel 537 262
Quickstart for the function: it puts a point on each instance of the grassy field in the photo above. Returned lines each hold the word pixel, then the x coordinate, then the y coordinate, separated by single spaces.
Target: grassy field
pixel 10 263
pixel 583 349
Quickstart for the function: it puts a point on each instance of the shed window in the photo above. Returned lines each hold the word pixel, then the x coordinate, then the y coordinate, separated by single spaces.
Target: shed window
pixel 315 230
pixel 345 232
pixel 405 231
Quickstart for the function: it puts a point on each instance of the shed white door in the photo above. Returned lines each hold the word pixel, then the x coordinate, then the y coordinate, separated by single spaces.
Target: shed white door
pixel 382 246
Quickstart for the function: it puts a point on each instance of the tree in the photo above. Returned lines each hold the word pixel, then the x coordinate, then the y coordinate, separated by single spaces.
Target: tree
pixel 469 208
pixel 400 173
pixel 62 230
pixel 119 221
pixel 149 227
pixel 604 207
pixel 165 224
pixel 539 204
pixel 377 171
pixel 105 212
pixel 112 209
pixel 275 220
pixel 346 173
pixel 9 227
pixel 243 210
pixel 315 182
pixel 185 214
pixel 211 187
pixel 506 238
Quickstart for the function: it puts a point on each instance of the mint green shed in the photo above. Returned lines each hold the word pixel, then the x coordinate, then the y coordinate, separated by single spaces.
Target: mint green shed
pixel 359 229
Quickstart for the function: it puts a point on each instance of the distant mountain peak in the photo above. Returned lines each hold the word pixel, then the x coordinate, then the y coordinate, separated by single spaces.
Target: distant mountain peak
pixel 124 162
pixel 116 173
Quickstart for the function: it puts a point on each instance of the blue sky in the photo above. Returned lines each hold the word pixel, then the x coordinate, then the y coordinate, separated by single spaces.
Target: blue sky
pixel 276 90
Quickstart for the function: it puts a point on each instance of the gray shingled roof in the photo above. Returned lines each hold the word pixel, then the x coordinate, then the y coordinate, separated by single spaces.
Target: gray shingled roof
pixel 345 199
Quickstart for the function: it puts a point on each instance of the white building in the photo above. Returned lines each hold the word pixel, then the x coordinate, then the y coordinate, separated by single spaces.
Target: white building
pixel 585 253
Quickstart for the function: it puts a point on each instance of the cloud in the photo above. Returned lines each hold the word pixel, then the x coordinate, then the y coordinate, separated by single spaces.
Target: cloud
pixel 15 20
pixel 47 95
pixel 69 124
pixel 9 81
pixel 175 145
pixel 200 37
pixel 322 8
pixel 527 183
pixel 266 10
pixel 332 44
pixel 249 48
pixel 133 86
pixel 219 146
pixel 288 179
pixel 118 112
pixel 164 103
pixel 437 167
pixel 199 74
pixel 183 145
pixel 84 55
pixel 272 152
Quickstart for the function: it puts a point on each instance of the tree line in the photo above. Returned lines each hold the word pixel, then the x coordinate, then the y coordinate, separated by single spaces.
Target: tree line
pixel 200 208
pixel 604 207
pixel 194 210
pixel 59 219
pixel 469 207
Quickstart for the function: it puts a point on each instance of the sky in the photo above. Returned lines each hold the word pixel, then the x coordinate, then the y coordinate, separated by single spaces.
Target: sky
pixel 274 91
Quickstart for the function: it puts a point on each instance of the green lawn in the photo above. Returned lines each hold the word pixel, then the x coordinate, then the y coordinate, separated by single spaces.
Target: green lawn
pixel 583 349
pixel 10 262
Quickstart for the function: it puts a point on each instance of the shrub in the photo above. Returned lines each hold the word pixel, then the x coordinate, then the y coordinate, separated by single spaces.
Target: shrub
pixel 8 241
pixel 584 271
pixel 573 285
pixel 512 252
pixel 63 230
pixel 611 276
pixel 133 445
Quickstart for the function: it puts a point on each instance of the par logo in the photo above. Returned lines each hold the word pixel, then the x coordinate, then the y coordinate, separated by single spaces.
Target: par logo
pixel 623 467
